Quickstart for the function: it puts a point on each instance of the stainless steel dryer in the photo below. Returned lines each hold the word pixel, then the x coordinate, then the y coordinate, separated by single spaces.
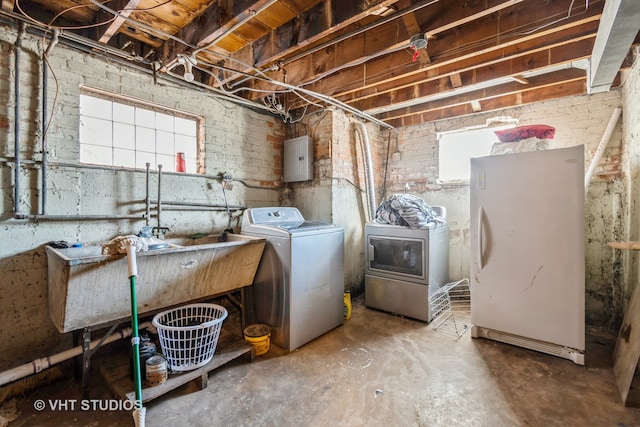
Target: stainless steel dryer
pixel 299 285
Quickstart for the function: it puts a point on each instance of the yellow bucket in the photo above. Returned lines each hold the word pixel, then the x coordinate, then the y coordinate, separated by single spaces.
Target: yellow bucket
pixel 259 337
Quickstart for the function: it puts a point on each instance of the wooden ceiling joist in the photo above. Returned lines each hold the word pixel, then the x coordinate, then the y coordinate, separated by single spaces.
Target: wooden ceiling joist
pixel 566 35
pixel 124 8
pixel 519 65
pixel 441 110
pixel 388 38
pixel 210 25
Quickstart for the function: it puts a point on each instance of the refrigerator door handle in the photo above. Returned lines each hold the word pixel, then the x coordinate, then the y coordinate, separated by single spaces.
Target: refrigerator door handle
pixel 479 251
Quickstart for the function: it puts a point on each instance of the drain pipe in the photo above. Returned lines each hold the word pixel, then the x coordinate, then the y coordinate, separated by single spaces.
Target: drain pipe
pixel 39 365
pixel 16 185
pixel 368 168
pixel 45 124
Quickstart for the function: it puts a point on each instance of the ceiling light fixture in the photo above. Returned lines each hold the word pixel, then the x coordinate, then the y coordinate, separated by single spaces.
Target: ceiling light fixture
pixel 187 62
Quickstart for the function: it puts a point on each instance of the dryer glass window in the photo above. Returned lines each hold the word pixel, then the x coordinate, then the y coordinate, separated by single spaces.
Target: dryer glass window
pixel 402 256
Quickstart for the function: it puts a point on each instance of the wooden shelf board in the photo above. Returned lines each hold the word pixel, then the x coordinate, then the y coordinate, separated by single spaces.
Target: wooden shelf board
pixel 121 385
pixel 625 245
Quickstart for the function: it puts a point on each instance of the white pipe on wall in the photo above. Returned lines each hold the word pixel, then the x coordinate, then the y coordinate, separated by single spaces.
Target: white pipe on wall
pixel 39 365
pixel 602 146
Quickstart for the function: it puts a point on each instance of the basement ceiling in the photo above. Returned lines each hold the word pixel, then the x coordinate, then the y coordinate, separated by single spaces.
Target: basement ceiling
pixel 397 62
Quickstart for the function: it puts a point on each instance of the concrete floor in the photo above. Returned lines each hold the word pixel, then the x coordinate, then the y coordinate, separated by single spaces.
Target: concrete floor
pixel 376 370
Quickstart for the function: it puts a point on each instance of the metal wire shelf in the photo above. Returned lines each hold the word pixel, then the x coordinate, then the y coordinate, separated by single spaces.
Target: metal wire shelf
pixel 451 308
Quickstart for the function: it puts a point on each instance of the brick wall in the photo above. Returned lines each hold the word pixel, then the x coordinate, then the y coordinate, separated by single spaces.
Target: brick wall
pixel 239 141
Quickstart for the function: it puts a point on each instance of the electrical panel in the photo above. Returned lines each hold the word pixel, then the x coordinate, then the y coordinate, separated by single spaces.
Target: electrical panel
pixel 298 159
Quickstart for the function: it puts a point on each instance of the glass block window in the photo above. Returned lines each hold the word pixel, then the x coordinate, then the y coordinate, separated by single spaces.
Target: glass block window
pixel 116 131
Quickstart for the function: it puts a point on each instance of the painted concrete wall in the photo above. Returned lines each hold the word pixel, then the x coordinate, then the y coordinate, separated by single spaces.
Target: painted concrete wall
pixel 239 141
pixel 629 263
pixel 337 192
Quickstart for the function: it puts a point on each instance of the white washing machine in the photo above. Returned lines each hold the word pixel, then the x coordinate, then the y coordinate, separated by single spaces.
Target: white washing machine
pixel 299 285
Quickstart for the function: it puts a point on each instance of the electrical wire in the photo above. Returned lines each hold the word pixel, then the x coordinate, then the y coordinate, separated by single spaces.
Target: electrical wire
pixel 354 64
pixel 142 25
pixel 515 32
pixel 50 24
pixel 134 23
pixel 470 47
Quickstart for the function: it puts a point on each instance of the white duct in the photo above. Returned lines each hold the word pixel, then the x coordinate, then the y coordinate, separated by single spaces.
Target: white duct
pixel 368 169
pixel 39 365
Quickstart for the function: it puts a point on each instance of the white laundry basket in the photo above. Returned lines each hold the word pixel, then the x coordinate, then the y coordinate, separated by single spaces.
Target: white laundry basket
pixel 189 334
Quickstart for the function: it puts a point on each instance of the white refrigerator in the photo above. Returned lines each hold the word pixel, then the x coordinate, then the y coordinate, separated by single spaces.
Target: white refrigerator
pixel 528 250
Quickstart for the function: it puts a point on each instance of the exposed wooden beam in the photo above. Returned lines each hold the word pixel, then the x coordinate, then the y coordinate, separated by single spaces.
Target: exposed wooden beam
pixel 455 80
pixel 537 83
pixel 388 38
pixel 309 28
pixel 548 41
pixel 124 8
pixel 372 77
pixel 324 19
pixel 8 5
pixel 212 23
pixel 538 60
pixel 499 101
pixel 413 27
pixel 520 80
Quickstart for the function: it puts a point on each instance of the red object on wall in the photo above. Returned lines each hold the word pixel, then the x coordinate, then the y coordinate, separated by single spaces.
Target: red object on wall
pixel 181 165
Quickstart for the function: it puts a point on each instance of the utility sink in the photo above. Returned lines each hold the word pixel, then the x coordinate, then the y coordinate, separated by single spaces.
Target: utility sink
pixel 88 289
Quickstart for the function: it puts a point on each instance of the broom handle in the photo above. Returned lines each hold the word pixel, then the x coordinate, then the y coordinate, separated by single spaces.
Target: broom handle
pixel 133 274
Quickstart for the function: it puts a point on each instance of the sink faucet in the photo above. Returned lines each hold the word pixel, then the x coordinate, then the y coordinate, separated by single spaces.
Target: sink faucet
pixel 146 232
pixel 159 232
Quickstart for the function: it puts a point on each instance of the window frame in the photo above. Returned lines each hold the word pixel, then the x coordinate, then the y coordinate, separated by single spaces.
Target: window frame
pixel 506 123
pixel 151 107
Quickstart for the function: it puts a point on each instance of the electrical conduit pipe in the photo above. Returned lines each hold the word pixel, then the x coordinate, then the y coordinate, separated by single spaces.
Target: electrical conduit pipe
pixel 39 365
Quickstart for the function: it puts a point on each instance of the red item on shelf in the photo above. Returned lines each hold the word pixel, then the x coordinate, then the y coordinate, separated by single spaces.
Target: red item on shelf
pixel 524 132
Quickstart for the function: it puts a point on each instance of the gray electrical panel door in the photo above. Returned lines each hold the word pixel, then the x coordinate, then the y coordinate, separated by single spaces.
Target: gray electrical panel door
pixel 298 159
